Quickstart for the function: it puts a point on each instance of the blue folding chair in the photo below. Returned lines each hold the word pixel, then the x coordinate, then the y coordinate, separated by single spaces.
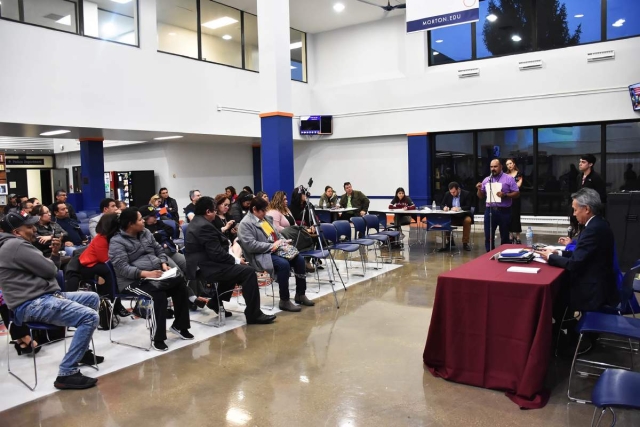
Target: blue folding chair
pixel 442 224
pixel 343 228
pixel 84 227
pixel 171 223
pixel 324 216
pixel 372 223
pixel 81 215
pixel 616 388
pixel 331 235
pixel 360 227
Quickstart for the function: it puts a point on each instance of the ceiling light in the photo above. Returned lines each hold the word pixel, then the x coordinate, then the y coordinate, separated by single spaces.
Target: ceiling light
pixel 109 29
pixel 516 38
pixel 65 20
pixel 172 34
pixel 296 45
pixel 618 23
pixel 121 1
pixel 220 22
pixel 439 41
pixel 338 7
pixel 580 15
pixel 492 18
pixel 227 37
pixel 435 53
pixel 160 138
pixel 55 132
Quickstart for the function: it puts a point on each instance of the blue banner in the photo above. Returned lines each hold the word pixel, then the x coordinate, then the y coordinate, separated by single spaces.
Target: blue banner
pixel 423 15
pixel 445 20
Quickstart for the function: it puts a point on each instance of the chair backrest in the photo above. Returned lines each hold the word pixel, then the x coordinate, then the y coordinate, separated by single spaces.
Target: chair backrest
pixel 81 215
pixel 438 223
pixel 329 232
pixel 68 250
pixel 114 280
pixel 626 292
pixel 173 225
pixel 60 279
pixel 382 219
pixel 371 221
pixel 343 228
pixel 324 216
pixel 359 225
pixel 84 227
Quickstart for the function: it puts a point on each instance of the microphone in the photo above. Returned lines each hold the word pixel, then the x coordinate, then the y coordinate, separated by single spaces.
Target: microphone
pixel 570 232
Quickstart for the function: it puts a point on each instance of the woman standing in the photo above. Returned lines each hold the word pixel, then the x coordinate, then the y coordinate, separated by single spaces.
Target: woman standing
pixel 515 228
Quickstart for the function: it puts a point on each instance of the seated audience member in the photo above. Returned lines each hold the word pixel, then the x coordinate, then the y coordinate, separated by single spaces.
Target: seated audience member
pixel 261 242
pixel 240 208
pixel 30 289
pixel 279 212
pixel 263 195
pixel 458 199
pixel 92 262
pixel 139 261
pixel 121 205
pixel 107 206
pixel 329 198
pixel 70 226
pixel 225 224
pixel 404 202
pixel 247 189
pixel 26 206
pixel 161 212
pixel 353 199
pixel 231 193
pixel 169 204
pixel 163 234
pixel 35 201
pixel 46 230
pixel 61 197
pixel 189 211
pixel 207 249
pixel 12 205
pixel 297 205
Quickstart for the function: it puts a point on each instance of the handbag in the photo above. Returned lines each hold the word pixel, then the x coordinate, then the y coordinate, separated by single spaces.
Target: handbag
pixel 105 313
pixel 288 252
pixel 299 237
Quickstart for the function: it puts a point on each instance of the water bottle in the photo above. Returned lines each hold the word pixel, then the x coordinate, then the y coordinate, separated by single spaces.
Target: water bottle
pixel 433 206
pixel 529 237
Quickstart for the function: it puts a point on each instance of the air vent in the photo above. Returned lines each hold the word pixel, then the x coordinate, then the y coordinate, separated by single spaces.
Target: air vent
pixel 54 17
pixel 530 65
pixel 601 56
pixel 469 72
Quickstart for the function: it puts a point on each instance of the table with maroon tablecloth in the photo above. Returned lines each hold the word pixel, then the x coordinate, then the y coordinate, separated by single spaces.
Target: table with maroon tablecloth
pixel 492 328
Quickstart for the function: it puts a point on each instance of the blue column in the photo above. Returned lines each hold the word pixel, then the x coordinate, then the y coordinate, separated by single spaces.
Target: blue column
pixel 420 168
pixel 92 164
pixel 257 169
pixel 277 152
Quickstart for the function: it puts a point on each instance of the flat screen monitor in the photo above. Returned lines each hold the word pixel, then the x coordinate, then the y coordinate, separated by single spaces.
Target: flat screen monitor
pixel 634 92
pixel 316 125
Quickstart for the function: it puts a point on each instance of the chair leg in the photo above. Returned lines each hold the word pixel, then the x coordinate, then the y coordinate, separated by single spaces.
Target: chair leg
pixel 573 364
pixel 35 367
pixel 147 324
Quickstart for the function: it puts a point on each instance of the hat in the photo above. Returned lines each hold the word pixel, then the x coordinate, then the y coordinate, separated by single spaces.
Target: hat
pixel 147 211
pixel 13 195
pixel 15 220
pixel 246 198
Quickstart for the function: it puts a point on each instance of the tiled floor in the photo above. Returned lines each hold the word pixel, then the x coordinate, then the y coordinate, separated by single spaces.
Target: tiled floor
pixel 360 365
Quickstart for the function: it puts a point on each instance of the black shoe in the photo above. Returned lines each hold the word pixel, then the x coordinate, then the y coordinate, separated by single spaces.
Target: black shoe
pixel 199 303
pixel 263 319
pixel 87 359
pixel 453 243
pixel 122 312
pixel 211 304
pixel 185 334
pixel 160 346
pixel 76 381
pixel 466 247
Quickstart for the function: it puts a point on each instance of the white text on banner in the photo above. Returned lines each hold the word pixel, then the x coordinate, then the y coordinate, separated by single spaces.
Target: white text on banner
pixel 423 15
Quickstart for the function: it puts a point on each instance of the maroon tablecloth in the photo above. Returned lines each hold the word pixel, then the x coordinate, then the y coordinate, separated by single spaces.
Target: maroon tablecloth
pixel 491 328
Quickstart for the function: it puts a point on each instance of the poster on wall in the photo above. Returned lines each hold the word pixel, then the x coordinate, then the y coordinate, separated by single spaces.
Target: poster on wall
pixel 424 15
pixel 3 189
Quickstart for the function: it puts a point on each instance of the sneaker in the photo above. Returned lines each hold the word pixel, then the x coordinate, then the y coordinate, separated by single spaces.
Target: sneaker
pixel 76 381
pixel 185 334
pixel 87 359
pixel 123 312
pixel 160 346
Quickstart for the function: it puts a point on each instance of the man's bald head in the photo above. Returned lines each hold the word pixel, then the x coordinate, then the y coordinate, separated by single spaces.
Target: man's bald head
pixel 496 167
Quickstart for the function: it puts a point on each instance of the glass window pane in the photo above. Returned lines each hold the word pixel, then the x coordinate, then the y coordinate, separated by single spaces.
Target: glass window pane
pixel 251 59
pixel 451 44
pixel 559 151
pixel 221 34
pixel 453 162
pixel 110 20
pixel 623 156
pixel 515 144
pixel 622 18
pixel 568 22
pixel 57 14
pixel 504 28
pixel 298 55
pixel 178 27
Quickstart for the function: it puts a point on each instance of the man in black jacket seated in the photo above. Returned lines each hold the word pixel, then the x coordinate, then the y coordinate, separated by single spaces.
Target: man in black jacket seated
pixel 69 225
pixel 458 199
pixel 207 248
pixel 61 197
pixel 170 204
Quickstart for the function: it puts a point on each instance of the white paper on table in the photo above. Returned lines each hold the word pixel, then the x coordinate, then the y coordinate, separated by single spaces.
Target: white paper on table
pixel 539 259
pixel 512 251
pixel 530 270
pixel 492 190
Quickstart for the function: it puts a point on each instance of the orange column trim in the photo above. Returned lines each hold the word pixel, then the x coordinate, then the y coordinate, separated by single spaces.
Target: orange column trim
pixel 276 113
pixel 91 139
pixel 418 134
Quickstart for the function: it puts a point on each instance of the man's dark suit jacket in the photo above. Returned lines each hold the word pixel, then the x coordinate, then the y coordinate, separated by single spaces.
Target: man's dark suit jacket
pixel 590 267
pixel 207 248
pixel 465 200
pixel 595 182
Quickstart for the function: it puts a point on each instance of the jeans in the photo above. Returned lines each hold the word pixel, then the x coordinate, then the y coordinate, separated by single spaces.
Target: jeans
pixel 501 218
pixel 282 266
pixel 76 309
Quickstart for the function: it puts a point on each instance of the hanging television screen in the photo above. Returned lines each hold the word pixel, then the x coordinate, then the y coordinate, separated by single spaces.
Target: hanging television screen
pixel 316 125
pixel 634 91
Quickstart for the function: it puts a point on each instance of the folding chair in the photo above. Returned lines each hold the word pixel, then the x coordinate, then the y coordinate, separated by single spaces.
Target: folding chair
pixel 331 234
pixel 343 228
pixel 441 223
pixel 361 229
pixel 616 388
pixel 372 223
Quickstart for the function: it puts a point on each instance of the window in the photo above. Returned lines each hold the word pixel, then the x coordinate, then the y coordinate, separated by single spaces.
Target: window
pixel 515 144
pixel 623 156
pixel 221 34
pixel 251 57
pixel 111 20
pixel 451 44
pixel 559 151
pixel 505 27
pixel 298 55
pixel 622 18
pixel 57 14
pixel 453 162
pixel 178 27
pixel 568 22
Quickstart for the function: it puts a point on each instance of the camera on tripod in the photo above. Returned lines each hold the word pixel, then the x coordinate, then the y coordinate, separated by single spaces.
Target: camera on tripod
pixel 305 190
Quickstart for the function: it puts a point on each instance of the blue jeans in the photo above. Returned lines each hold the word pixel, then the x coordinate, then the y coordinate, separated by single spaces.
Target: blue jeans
pixel 282 266
pixel 77 309
pixel 501 218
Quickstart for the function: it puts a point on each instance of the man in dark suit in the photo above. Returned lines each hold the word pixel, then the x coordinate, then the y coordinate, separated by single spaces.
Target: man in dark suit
pixel 458 199
pixel 207 248
pixel 61 197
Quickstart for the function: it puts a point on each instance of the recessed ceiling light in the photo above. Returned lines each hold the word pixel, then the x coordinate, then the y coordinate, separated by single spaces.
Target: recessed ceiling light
pixel 435 53
pixel 160 138
pixel 227 37
pixel 619 23
pixel 172 34
pixel 439 41
pixel 492 18
pixel 338 7
pixel 580 15
pixel 55 132
pixel 65 20
pixel 121 1
pixel 109 29
pixel 516 38
pixel 296 45
pixel 220 22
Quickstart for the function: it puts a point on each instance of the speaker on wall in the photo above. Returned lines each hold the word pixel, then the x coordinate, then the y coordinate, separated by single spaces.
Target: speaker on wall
pixel 623 214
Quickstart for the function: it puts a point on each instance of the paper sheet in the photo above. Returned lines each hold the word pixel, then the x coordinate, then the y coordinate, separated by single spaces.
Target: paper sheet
pixel 168 274
pixel 492 190
pixel 530 270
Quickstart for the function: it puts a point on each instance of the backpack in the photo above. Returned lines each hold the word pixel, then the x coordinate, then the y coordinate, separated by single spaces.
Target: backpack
pixel 105 312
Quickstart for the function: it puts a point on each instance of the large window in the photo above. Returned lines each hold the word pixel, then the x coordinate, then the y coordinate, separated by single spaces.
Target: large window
pixel 221 34
pixel 104 19
pixel 451 44
pixel 178 27
pixel 623 156
pixel 298 55
pixel 622 18
pixel 568 22
pixel 453 162
pixel 505 27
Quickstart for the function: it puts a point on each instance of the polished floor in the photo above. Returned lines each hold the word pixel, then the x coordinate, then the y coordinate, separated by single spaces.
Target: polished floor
pixel 360 365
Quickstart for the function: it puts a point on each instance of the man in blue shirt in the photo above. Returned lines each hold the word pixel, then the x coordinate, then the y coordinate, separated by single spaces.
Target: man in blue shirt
pixel 75 234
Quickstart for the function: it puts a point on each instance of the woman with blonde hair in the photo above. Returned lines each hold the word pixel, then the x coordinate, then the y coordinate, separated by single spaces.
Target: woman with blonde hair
pixel 161 212
pixel 279 211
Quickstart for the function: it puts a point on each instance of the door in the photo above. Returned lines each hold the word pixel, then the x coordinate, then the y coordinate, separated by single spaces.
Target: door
pixel 60 178
pixel 17 181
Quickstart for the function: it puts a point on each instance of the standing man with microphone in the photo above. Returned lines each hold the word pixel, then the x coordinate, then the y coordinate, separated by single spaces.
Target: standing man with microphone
pixel 497 213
